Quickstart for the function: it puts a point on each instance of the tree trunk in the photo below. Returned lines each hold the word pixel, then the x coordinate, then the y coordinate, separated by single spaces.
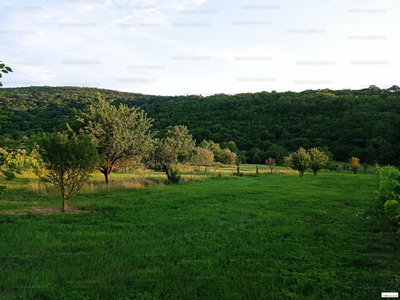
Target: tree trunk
pixel 238 171
pixel 167 172
pixel 64 206
pixel 106 172
pixel 315 172
pixel 257 170
pixel 205 169
pixel 106 176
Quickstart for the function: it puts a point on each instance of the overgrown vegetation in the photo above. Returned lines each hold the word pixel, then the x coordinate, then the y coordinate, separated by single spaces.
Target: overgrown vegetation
pixel 389 191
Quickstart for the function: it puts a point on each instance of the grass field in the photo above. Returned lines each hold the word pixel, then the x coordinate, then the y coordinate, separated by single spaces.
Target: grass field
pixel 271 236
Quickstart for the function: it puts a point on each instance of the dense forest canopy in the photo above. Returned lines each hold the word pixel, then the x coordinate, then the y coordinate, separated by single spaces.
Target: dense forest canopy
pixel 360 123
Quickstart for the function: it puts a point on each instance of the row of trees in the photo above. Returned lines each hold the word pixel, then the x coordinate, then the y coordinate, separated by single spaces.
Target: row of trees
pixel 301 160
pixel 314 159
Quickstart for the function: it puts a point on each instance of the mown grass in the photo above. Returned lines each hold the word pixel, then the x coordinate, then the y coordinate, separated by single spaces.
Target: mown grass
pixel 271 236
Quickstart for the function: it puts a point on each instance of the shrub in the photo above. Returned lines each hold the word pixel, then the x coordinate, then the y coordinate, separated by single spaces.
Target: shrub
pixel 174 175
pixel 389 191
pixel 300 161
pixel 271 163
pixel 332 165
pixel 354 164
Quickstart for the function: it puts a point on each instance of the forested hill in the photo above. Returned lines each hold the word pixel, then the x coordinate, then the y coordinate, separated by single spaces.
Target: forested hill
pixel 362 123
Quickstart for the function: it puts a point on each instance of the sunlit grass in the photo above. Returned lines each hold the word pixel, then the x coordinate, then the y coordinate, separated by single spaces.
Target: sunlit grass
pixel 266 236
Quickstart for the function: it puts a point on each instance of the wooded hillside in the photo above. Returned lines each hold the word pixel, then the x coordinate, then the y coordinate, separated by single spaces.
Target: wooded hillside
pixel 362 123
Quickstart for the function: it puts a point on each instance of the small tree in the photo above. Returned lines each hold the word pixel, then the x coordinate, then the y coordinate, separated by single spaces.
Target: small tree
pixel 202 157
pixel 213 147
pixel 239 158
pixel 175 147
pixel 227 157
pixel 271 163
pixel 69 162
pixel 119 133
pixel 318 160
pixel 287 162
pixel 300 161
pixel 231 146
pixel 354 164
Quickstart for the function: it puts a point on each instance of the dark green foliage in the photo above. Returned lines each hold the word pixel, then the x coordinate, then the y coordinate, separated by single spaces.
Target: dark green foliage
pixel 365 167
pixel 389 191
pixel 332 165
pixel 360 123
pixel 277 152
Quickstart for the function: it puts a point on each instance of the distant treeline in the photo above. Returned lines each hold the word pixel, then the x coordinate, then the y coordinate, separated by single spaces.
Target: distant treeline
pixel 360 123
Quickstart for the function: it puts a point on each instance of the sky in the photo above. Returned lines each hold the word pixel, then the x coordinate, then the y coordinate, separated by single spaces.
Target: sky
pixel 201 47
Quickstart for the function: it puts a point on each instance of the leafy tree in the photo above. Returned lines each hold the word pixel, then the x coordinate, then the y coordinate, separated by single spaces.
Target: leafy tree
pixel 4 69
pixel 318 160
pixel 119 133
pixel 9 147
pixel 213 147
pixel 258 156
pixel 239 159
pixel 175 148
pixel 227 157
pixel 332 165
pixel 231 146
pixel 271 163
pixel 69 162
pixel 277 152
pixel 326 151
pixel 354 164
pixel 300 161
pixel 287 162
pixel 202 157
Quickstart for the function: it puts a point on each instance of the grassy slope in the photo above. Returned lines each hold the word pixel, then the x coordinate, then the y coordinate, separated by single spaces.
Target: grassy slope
pixel 253 237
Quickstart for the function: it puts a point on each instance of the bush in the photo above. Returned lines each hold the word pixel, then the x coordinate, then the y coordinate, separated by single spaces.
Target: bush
pixel 354 163
pixel 389 191
pixel 174 175
pixel 332 165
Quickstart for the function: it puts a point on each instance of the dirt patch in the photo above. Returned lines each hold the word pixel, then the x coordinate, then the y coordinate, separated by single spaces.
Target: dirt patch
pixel 48 211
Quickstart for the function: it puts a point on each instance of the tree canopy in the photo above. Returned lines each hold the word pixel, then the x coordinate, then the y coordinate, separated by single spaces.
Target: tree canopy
pixel 119 133
pixel 362 123
pixel 69 162
pixel 175 147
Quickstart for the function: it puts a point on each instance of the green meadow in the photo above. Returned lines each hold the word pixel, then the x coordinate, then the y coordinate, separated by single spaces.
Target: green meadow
pixel 213 236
